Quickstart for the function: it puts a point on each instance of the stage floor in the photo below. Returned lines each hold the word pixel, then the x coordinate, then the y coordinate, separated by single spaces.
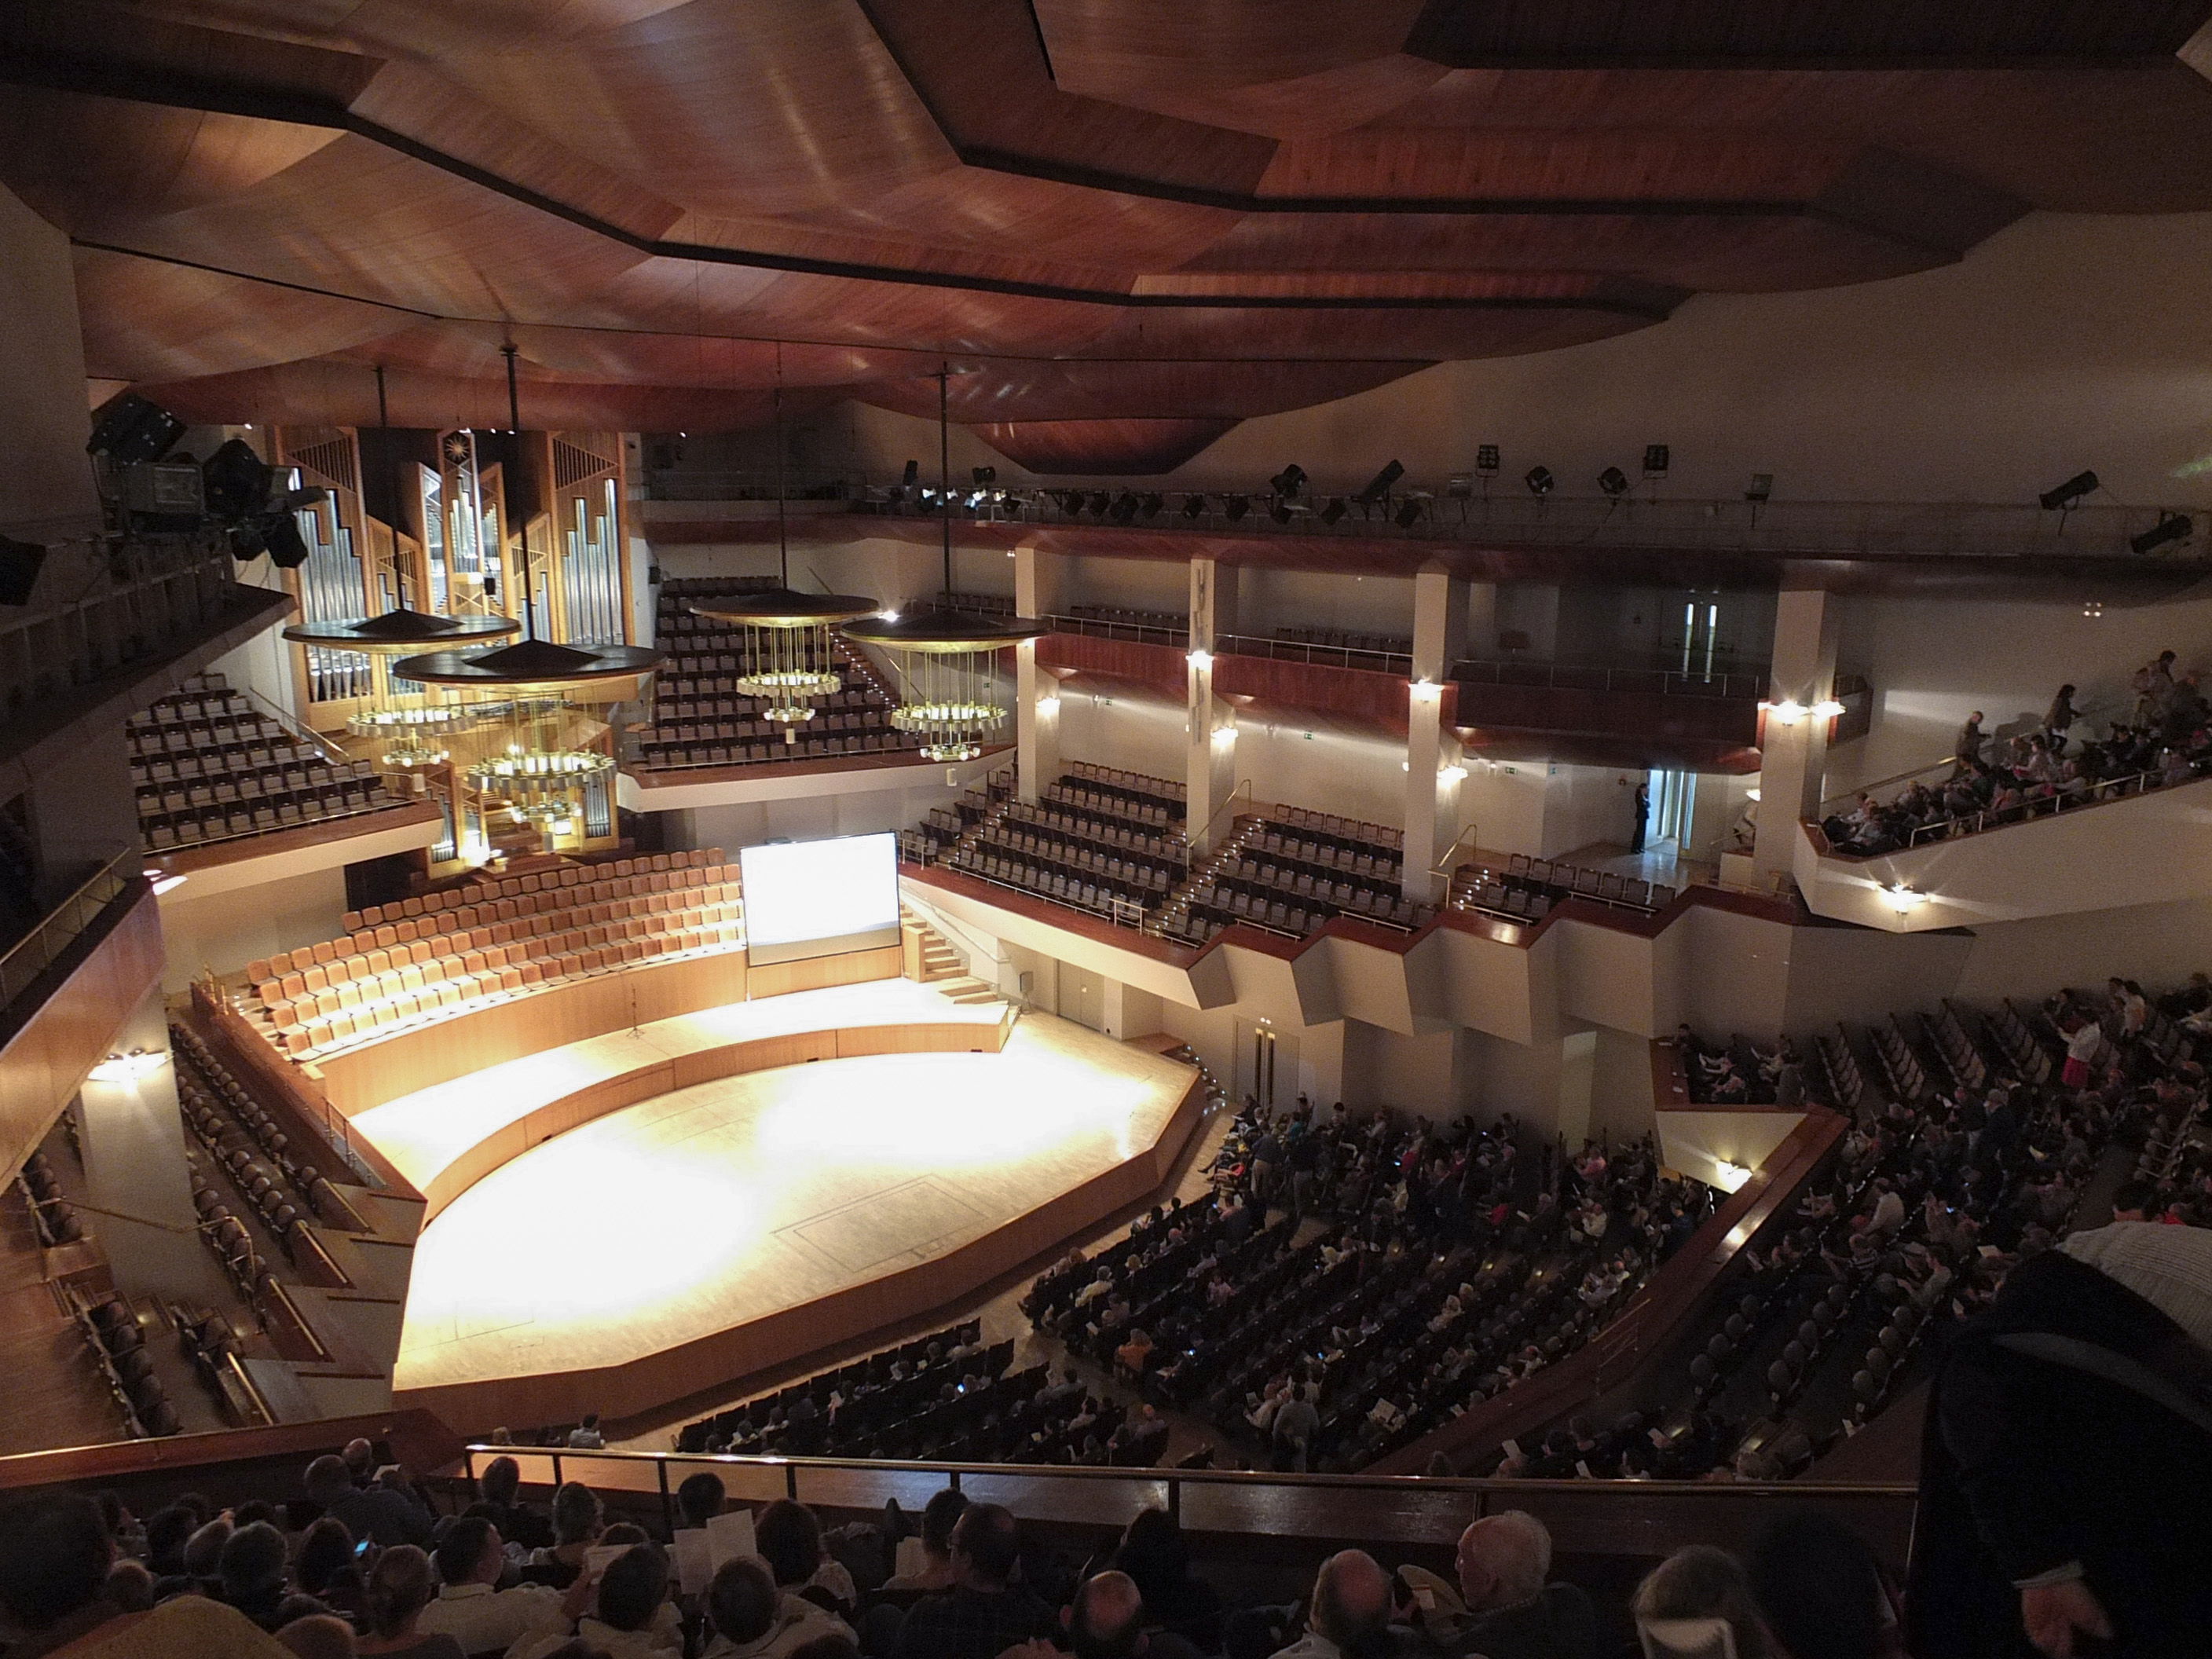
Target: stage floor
pixel 784 1203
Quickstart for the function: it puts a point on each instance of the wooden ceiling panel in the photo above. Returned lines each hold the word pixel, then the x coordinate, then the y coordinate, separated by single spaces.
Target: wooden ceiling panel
pixel 730 108
pixel 147 322
pixel 1814 32
pixel 91 164
pixel 1169 213
pixel 1553 163
pixel 1104 449
pixel 327 391
pixel 981 67
pixel 1034 391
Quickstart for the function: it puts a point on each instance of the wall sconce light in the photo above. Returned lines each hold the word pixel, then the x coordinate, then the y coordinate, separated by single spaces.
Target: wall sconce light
pixel 126 1068
pixel 1047 705
pixel 1199 659
pixel 1224 737
pixel 1827 709
pixel 1789 711
pixel 1751 794
pixel 1426 688
pixel 1452 774
pixel 1902 899
pixel 1730 1177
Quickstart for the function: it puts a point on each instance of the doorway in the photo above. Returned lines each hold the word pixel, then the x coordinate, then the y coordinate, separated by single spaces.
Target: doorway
pixel 1267 1065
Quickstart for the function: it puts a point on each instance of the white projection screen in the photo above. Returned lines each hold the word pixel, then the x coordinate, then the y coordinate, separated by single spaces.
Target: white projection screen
pixel 816 898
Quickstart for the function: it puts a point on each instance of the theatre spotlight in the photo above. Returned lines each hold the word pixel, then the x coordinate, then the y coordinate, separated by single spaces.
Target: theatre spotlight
pixel 1234 508
pixel 1193 506
pixel 2173 527
pixel 1290 480
pixel 1761 488
pixel 1279 510
pixel 2068 494
pixel 128 428
pixel 1486 459
pixel 288 549
pixel 1654 460
pixel 1379 485
pixel 1124 507
pixel 984 475
pixel 1409 512
pixel 912 475
pixel 235 481
pixel 1150 505
pixel 1099 502
pixel 1612 481
pixel 1539 480
pixel 1332 510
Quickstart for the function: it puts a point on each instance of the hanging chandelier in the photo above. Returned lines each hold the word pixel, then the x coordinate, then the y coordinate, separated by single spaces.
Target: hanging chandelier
pixel 953 696
pixel 791 653
pixel 404 725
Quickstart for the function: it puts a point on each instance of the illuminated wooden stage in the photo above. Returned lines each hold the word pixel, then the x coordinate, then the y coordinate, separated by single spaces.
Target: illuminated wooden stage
pixel 704 1233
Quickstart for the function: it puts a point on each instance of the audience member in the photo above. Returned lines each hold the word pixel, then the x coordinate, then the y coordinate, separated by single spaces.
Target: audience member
pixel 789 1538
pixel 1348 1616
pixel 1512 1609
pixel 470 1606
pixel 251 1570
pixel 1692 1600
pixel 319 1636
pixel 1821 1591
pixel 1156 1558
pixel 399 1587
pixel 752 1618
pixel 578 1520
pixel 984 1612
pixel 2066 1484
pixel 379 1513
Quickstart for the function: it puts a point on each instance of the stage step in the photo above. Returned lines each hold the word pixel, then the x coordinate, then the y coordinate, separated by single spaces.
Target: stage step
pixel 967 989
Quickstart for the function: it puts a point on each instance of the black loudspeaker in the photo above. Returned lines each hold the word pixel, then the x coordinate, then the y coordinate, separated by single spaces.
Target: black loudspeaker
pixel 129 428
pixel 912 473
pixel 20 563
pixel 237 480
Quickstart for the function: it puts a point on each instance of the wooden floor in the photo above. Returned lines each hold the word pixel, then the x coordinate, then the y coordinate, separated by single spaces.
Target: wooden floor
pixel 757 1202
pixel 51 1393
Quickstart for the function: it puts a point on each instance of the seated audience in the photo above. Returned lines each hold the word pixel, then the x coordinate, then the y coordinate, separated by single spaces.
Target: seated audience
pixel 379 1513
pixel 1348 1615
pixel 1693 1602
pixel 319 1636
pixel 471 1608
pixel 1176 1601
pixel 1512 1609
pixel 984 1612
pixel 789 1538
pixel 752 1618
pixel 400 1586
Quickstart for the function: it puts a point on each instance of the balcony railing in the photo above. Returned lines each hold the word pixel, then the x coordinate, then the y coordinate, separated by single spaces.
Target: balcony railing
pixel 1321 656
pixel 1136 633
pixel 1443 513
pixel 1586 1517
pixel 1585 677
pixel 118 600
pixel 38 950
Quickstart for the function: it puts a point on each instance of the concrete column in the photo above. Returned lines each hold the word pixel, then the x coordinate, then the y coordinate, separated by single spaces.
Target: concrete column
pixel 1481 613
pixel 1433 770
pixel 1039 588
pixel 1794 750
pixel 133 1144
pixel 1210 766
pixel 1128 1011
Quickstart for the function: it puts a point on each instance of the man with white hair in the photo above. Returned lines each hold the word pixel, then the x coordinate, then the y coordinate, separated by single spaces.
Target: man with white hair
pixel 1513 1610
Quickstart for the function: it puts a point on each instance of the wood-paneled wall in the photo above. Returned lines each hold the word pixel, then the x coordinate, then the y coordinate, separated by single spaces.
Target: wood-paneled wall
pixel 75 1012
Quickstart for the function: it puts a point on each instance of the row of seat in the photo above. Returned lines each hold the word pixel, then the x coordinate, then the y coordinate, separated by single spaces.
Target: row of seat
pixel 1065 883
pixel 488 888
pixel 1359 832
pixel 208 766
pixel 1017 835
pixel 110 1330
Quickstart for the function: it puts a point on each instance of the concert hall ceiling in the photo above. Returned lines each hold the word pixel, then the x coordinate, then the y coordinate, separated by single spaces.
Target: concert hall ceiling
pixel 1124 224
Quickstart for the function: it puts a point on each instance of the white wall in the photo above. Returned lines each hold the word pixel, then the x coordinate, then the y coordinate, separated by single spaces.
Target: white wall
pixel 1109 725
pixel 227 930
pixel 2062 341
pixel 1933 663
pixel 1316 766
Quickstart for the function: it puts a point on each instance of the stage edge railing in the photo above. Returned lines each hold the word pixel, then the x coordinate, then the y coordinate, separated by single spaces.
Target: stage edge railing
pixel 1415 1508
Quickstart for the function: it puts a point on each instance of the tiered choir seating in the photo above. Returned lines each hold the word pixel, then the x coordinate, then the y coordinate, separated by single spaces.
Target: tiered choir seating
pixel 699 721
pixel 1290 873
pixel 1174 622
pixel 424 958
pixel 209 766
pixel 1097 840
pixel 1527 887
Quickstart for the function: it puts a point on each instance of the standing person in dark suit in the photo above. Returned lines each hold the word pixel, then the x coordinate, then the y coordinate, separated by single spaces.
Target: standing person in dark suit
pixel 2066 1482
